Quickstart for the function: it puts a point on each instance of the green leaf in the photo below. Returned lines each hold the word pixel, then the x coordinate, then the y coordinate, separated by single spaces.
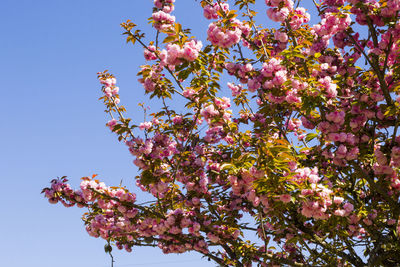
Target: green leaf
pixel 147 178
pixel 227 166
pixel 310 136
pixel 131 38
pixel 169 39
pixel 107 248
pixel 178 27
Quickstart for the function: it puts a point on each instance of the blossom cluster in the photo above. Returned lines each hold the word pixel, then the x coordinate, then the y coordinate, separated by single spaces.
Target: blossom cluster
pixel 166 6
pixel 282 10
pixel 210 11
pixel 189 51
pixel 163 21
pixel 226 38
pixel 173 55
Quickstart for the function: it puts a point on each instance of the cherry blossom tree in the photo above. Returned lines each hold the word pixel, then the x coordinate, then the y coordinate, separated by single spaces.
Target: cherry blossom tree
pixel 303 153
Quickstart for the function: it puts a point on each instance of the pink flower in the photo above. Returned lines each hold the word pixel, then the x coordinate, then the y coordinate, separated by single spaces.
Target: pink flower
pixel 278 15
pixel 210 11
pixel 236 89
pixel 341 151
pixel 338 200
pixel 279 77
pixel 336 116
pixel 189 93
pixel 145 125
pixel 222 103
pixel 162 20
pixel 177 120
pixel 149 53
pixel 213 238
pixel 191 50
pixel 109 82
pixel 285 198
pixel 281 36
pixel 253 85
pixel 110 124
pixel 226 38
pixel 340 212
pixel 348 207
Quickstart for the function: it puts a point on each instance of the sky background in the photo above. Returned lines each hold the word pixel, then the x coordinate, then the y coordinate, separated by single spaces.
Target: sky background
pixel 53 125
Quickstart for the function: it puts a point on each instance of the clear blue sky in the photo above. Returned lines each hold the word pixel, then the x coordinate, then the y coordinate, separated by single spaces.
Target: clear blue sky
pixel 53 125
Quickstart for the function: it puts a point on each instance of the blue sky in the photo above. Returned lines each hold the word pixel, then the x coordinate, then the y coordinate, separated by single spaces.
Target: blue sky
pixel 53 125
